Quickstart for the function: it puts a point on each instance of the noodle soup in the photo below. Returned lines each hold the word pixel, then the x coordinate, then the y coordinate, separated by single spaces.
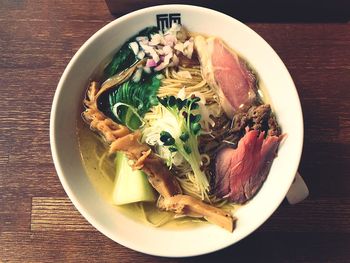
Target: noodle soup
pixel 187 113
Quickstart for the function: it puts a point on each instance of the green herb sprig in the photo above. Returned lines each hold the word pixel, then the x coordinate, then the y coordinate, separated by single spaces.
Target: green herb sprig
pixel 187 118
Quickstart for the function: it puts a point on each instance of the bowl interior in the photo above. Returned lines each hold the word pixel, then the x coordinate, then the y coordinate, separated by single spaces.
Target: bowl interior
pixel 66 110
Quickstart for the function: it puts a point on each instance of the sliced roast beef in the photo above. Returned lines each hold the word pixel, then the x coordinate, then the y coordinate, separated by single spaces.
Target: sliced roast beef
pixel 227 73
pixel 240 172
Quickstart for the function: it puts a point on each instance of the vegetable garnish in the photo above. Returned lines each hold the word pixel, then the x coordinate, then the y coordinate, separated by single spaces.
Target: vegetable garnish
pixel 131 100
pixel 130 185
pixel 178 130
pixel 127 55
pixel 159 49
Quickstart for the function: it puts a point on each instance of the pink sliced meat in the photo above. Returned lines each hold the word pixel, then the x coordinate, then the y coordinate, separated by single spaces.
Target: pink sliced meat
pixel 231 74
pixel 241 172
pixel 226 73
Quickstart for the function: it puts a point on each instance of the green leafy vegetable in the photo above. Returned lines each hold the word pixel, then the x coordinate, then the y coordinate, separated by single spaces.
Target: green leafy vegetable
pixel 125 57
pixel 131 100
pixel 182 133
pixel 130 186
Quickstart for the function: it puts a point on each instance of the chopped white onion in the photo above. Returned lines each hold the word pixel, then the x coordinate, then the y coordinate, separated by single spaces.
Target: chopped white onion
pixel 167 50
pixel 163 49
pixel 160 67
pixel 170 40
pixel 155 40
pixel 160 76
pixel 174 29
pixel 137 75
pixel 141 54
pixel 135 47
pixel 154 55
pixel 175 60
pixel 167 58
pixel 147 70
pixel 151 63
pixel 142 39
pixel 150 50
pixel 160 51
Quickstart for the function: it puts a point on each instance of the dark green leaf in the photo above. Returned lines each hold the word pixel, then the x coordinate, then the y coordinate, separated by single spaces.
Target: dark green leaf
pixel 172 149
pixel 140 96
pixel 154 100
pixel 148 31
pixel 187 149
pixel 123 59
pixel 196 99
pixel 194 106
pixel 195 128
pixel 164 136
pixel 180 103
pixel 169 141
pixel 195 118
pixel 132 121
pixel 184 136
pixel 171 101
pixel 162 101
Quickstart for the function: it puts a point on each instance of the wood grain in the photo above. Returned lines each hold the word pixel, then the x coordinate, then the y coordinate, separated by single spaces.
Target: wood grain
pixel 94 247
pixel 39 224
pixel 56 214
pixel 59 214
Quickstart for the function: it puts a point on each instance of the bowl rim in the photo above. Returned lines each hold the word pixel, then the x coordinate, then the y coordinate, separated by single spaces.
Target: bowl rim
pixel 55 156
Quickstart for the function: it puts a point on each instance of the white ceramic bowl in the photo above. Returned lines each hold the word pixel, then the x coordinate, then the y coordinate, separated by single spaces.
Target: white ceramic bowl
pixel 158 241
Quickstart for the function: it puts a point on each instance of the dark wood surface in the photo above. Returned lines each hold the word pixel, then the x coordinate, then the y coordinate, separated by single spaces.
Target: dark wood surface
pixel 38 223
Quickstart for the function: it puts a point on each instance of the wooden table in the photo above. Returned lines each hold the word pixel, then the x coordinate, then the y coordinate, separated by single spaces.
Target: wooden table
pixel 38 223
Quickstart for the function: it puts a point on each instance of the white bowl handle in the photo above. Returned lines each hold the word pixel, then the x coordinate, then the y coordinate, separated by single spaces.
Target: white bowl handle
pixel 298 191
